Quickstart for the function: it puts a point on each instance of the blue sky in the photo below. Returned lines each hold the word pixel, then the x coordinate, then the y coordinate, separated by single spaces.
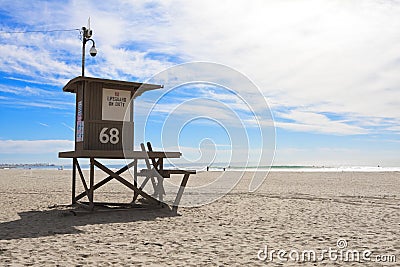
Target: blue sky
pixel 329 71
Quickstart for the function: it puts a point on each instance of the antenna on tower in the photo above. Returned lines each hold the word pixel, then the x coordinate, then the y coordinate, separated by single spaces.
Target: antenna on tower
pixel 87 32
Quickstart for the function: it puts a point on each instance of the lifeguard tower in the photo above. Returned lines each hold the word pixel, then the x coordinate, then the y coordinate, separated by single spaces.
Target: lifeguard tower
pixel 104 128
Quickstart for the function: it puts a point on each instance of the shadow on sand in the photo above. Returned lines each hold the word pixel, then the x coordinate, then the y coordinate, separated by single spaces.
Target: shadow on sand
pixel 58 221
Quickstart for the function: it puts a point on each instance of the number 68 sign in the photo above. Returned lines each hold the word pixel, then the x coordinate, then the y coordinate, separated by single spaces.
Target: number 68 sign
pixel 111 137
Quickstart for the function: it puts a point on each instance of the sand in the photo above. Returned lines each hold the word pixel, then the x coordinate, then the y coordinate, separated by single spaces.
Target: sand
pixel 290 211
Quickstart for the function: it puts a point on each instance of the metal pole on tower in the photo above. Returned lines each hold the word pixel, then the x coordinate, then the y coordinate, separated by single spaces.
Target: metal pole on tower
pixel 86 34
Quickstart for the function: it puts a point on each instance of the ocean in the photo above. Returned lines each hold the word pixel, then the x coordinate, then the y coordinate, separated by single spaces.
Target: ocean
pixel 235 168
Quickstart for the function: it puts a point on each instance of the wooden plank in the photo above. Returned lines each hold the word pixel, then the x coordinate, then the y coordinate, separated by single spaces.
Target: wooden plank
pixel 82 179
pixel 157 164
pixel 118 154
pixel 150 149
pixel 125 182
pixel 180 171
pixel 160 188
pixel 150 172
pixel 144 182
pixel 73 84
pixel 146 160
pixel 107 179
pixel 73 180
pixel 115 204
pixel 104 208
pixel 164 173
pixel 135 182
pixel 180 192
pixel 91 189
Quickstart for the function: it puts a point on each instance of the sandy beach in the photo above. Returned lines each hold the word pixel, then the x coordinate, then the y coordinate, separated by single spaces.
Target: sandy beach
pixel 290 212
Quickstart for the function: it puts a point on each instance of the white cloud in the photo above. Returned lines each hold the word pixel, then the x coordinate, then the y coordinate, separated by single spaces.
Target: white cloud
pixel 318 123
pixel 33 62
pixel 43 124
pixel 211 110
pixel 338 156
pixel 27 96
pixel 38 103
pixel 26 90
pixel 67 126
pixel 322 56
pixel 343 129
pixel 34 146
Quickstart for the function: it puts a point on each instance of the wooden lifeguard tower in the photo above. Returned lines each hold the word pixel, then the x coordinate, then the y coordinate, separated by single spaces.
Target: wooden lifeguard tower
pixel 104 128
